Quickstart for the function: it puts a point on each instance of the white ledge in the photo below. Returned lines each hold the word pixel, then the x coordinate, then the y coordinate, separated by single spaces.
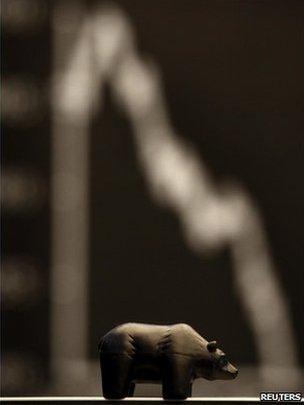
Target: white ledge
pixel 135 399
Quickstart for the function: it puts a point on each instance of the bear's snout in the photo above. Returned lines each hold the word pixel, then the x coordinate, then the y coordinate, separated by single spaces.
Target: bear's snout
pixel 228 372
pixel 233 371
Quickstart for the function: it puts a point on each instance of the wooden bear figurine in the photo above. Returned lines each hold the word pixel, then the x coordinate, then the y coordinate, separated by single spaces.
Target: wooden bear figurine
pixel 174 355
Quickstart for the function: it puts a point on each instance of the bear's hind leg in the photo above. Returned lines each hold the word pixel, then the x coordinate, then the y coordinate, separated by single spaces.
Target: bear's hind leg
pixel 176 379
pixel 115 374
pixel 131 389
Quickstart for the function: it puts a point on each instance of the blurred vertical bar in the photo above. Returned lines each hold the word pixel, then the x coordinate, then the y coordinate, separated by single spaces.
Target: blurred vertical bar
pixel 25 192
pixel 69 197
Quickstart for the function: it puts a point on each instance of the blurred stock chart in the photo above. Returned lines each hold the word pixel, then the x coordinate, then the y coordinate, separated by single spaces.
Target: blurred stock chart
pixel 152 171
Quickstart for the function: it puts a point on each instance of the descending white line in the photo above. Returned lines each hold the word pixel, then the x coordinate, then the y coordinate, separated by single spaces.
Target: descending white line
pixel 211 215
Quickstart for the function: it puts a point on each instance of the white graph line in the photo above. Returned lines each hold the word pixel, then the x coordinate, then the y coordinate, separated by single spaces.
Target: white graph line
pixel 211 215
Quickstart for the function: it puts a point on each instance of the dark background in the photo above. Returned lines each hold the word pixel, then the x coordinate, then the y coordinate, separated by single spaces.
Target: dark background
pixel 233 78
pixel 232 73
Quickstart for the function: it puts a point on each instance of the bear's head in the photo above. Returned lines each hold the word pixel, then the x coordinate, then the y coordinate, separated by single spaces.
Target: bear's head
pixel 214 364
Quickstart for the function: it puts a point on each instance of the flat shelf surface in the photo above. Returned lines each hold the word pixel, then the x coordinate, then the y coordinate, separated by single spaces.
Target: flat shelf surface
pixel 129 401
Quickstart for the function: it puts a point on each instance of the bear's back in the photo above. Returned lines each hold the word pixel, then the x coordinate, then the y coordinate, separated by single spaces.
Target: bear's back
pixel 133 338
pixel 137 338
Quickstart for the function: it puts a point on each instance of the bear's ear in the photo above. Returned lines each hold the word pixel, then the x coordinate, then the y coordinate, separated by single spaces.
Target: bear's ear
pixel 212 346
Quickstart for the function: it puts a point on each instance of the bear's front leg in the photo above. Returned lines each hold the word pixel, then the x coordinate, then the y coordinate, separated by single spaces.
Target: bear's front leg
pixel 177 376
pixel 116 374
pixel 131 389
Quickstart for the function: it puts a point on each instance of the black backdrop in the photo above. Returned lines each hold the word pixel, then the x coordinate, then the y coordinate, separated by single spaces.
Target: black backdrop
pixel 233 80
